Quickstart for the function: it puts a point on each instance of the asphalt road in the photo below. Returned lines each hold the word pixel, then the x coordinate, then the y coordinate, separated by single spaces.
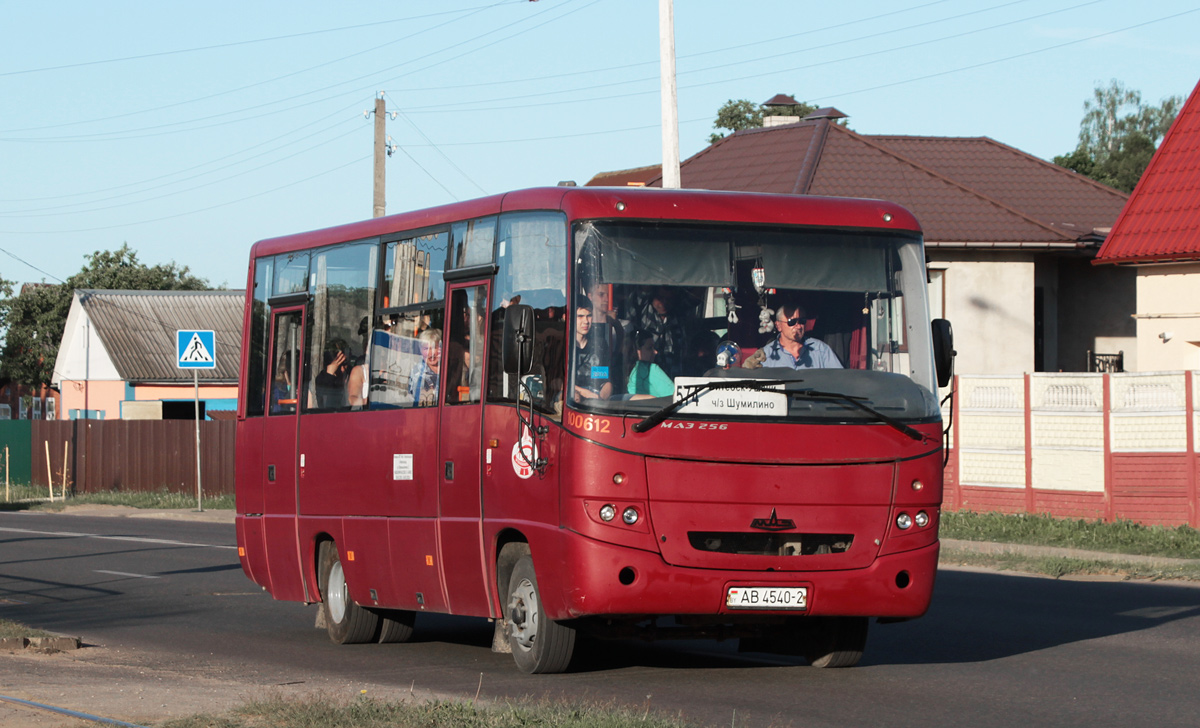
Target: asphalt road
pixel 995 649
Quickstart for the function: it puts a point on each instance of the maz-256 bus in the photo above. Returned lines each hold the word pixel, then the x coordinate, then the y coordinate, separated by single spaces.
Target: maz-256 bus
pixel 549 408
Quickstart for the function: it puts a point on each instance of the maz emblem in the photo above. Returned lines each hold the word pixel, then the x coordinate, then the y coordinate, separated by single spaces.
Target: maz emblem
pixel 774 523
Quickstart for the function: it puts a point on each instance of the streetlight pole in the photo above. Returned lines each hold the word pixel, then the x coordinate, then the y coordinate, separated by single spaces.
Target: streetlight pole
pixel 670 110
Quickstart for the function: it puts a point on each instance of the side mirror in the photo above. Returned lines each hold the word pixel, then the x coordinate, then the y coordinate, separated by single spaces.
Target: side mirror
pixel 943 350
pixel 516 345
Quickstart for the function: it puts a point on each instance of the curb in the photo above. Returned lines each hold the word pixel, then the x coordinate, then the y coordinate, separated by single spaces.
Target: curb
pixel 56 643
pixel 992 547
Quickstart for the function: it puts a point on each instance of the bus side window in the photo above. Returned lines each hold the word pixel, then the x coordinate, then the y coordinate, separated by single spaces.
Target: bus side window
pixel 285 364
pixel 473 241
pixel 344 279
pixel 531 259
pixel 463 353
pixel 260 338
pixel 406 354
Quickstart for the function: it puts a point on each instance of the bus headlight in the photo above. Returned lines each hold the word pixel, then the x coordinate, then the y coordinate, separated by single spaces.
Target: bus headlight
pixel 608 512
pixel 630 516
pixel 922 519
pixel 904 521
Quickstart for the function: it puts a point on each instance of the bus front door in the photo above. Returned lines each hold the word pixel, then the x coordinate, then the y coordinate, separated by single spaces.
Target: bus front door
pixel 279 455
pixel 460 529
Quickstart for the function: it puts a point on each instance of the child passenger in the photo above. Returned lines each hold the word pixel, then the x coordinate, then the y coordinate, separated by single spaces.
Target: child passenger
pixel 647 379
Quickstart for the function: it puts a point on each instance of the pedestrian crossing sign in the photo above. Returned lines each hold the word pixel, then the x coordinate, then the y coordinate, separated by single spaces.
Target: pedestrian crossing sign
pixel 195 349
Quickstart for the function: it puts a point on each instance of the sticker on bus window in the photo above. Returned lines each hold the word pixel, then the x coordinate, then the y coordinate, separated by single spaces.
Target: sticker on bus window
pixel 402 467
pixel 599 372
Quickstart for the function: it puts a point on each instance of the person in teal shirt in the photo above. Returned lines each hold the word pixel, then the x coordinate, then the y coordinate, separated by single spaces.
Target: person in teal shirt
pixel 648 379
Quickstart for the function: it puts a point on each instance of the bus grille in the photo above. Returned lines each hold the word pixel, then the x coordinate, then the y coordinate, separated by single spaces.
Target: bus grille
pixel 770 544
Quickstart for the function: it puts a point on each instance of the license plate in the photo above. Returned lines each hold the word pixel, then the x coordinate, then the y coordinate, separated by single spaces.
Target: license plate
pixel 767 597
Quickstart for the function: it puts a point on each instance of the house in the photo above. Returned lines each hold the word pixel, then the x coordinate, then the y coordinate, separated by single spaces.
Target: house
pixel 118 358
pixel 1009 237
pixel 1158 236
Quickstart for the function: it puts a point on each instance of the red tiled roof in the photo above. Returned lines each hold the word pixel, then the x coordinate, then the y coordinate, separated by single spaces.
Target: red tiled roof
pixel 1161 222
pixel 965 191
pixel 626 177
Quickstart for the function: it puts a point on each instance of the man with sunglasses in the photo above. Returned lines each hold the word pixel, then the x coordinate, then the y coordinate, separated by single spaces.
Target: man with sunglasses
pixel 793 348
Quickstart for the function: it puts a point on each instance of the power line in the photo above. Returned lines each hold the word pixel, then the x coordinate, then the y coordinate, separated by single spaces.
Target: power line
pixel 241 198
pixel 138 133
pixel 234 44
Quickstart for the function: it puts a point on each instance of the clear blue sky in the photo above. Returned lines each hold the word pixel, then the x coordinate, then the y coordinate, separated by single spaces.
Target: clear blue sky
pixel 189 131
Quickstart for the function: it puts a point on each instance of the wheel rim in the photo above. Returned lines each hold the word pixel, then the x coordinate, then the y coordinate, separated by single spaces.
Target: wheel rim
pixel 335 596
pixel 523 614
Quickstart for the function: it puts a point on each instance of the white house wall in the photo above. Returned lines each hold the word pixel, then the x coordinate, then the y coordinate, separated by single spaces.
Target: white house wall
pixel 990 305
pixel 1168 317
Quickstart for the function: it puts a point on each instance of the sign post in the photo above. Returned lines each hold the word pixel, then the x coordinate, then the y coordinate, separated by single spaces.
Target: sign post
pixel 196 350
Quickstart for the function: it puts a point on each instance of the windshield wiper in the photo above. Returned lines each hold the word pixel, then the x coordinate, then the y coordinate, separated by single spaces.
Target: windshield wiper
pixel 856 402
pixel 698 389
pixel 760 386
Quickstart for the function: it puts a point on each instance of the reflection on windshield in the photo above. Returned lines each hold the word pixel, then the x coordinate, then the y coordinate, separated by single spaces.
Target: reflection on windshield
pixel 656 303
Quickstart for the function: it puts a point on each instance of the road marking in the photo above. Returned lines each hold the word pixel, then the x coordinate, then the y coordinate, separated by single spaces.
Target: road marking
pixel 73 534
pixel 124 573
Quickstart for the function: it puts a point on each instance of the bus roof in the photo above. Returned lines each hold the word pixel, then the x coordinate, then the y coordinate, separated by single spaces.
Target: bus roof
pixel 617 203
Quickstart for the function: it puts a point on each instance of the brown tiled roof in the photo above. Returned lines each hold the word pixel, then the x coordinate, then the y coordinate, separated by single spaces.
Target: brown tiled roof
pixel 625 177
pixel 138 330
pixel 1161 222
pixel 964 191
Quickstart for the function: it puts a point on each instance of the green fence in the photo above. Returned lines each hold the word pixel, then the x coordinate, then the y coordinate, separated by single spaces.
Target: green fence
pixel 16 439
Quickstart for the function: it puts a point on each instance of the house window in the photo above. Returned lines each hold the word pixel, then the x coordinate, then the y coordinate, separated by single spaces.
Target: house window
pixel 37 408
pixel 51 409
pixel 5 412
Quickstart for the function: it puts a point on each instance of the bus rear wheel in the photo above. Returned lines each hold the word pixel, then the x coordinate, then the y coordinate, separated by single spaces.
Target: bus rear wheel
pixel 837 642
pixel 345 620
pixel 539 645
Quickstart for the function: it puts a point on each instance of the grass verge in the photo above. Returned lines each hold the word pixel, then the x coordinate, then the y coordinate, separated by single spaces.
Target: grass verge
pixel 363 712
pixel 1121 537
pixel 10 629
pixel 25 497
pixel 1059 566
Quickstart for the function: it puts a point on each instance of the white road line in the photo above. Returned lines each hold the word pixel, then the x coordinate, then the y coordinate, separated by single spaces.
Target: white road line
pixel 73 534
pixel 124 573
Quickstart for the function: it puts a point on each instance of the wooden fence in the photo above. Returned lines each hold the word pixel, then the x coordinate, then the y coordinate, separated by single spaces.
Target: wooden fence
pixel 126 455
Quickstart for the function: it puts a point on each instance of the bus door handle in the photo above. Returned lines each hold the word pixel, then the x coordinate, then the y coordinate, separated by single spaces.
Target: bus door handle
pixel 271 473
pixel 449 470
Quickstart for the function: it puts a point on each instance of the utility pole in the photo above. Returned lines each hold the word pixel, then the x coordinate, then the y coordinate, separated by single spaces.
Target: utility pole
pixel 670 110
pixel 380 201
pixel 383 150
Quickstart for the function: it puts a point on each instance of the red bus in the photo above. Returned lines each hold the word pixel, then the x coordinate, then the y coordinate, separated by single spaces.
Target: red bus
pixel 620 412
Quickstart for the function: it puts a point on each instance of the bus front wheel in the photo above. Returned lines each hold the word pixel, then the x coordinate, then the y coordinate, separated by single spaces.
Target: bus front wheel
pixel 837 642
pixel 539 645
pixel 346 621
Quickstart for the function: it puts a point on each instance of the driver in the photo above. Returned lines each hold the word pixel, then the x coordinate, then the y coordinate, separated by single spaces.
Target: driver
pixel 792 347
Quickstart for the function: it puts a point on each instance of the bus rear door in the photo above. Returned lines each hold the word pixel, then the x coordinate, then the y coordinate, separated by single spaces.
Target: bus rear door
pixel 279 454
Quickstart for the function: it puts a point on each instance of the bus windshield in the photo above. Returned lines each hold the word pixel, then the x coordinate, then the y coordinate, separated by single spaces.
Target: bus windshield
pixel 808 316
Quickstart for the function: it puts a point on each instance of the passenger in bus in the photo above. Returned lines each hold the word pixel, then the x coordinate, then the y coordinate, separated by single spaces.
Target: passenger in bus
pixel 648 379
pixel 423 380
pixel 283 396
pixel 663 316
pixel 792 347
pixel 591 370
pixel 607 330
pixel 331 381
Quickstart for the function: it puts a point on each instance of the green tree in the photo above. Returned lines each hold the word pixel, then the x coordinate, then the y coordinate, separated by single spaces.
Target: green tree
pixel 745 114
pixel 33 320
pixel 1118 135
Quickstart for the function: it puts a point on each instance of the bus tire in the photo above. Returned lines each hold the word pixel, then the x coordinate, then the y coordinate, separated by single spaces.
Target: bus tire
pixel 345 621
pixel 395 625
pixel 539 645
pixel 839 642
